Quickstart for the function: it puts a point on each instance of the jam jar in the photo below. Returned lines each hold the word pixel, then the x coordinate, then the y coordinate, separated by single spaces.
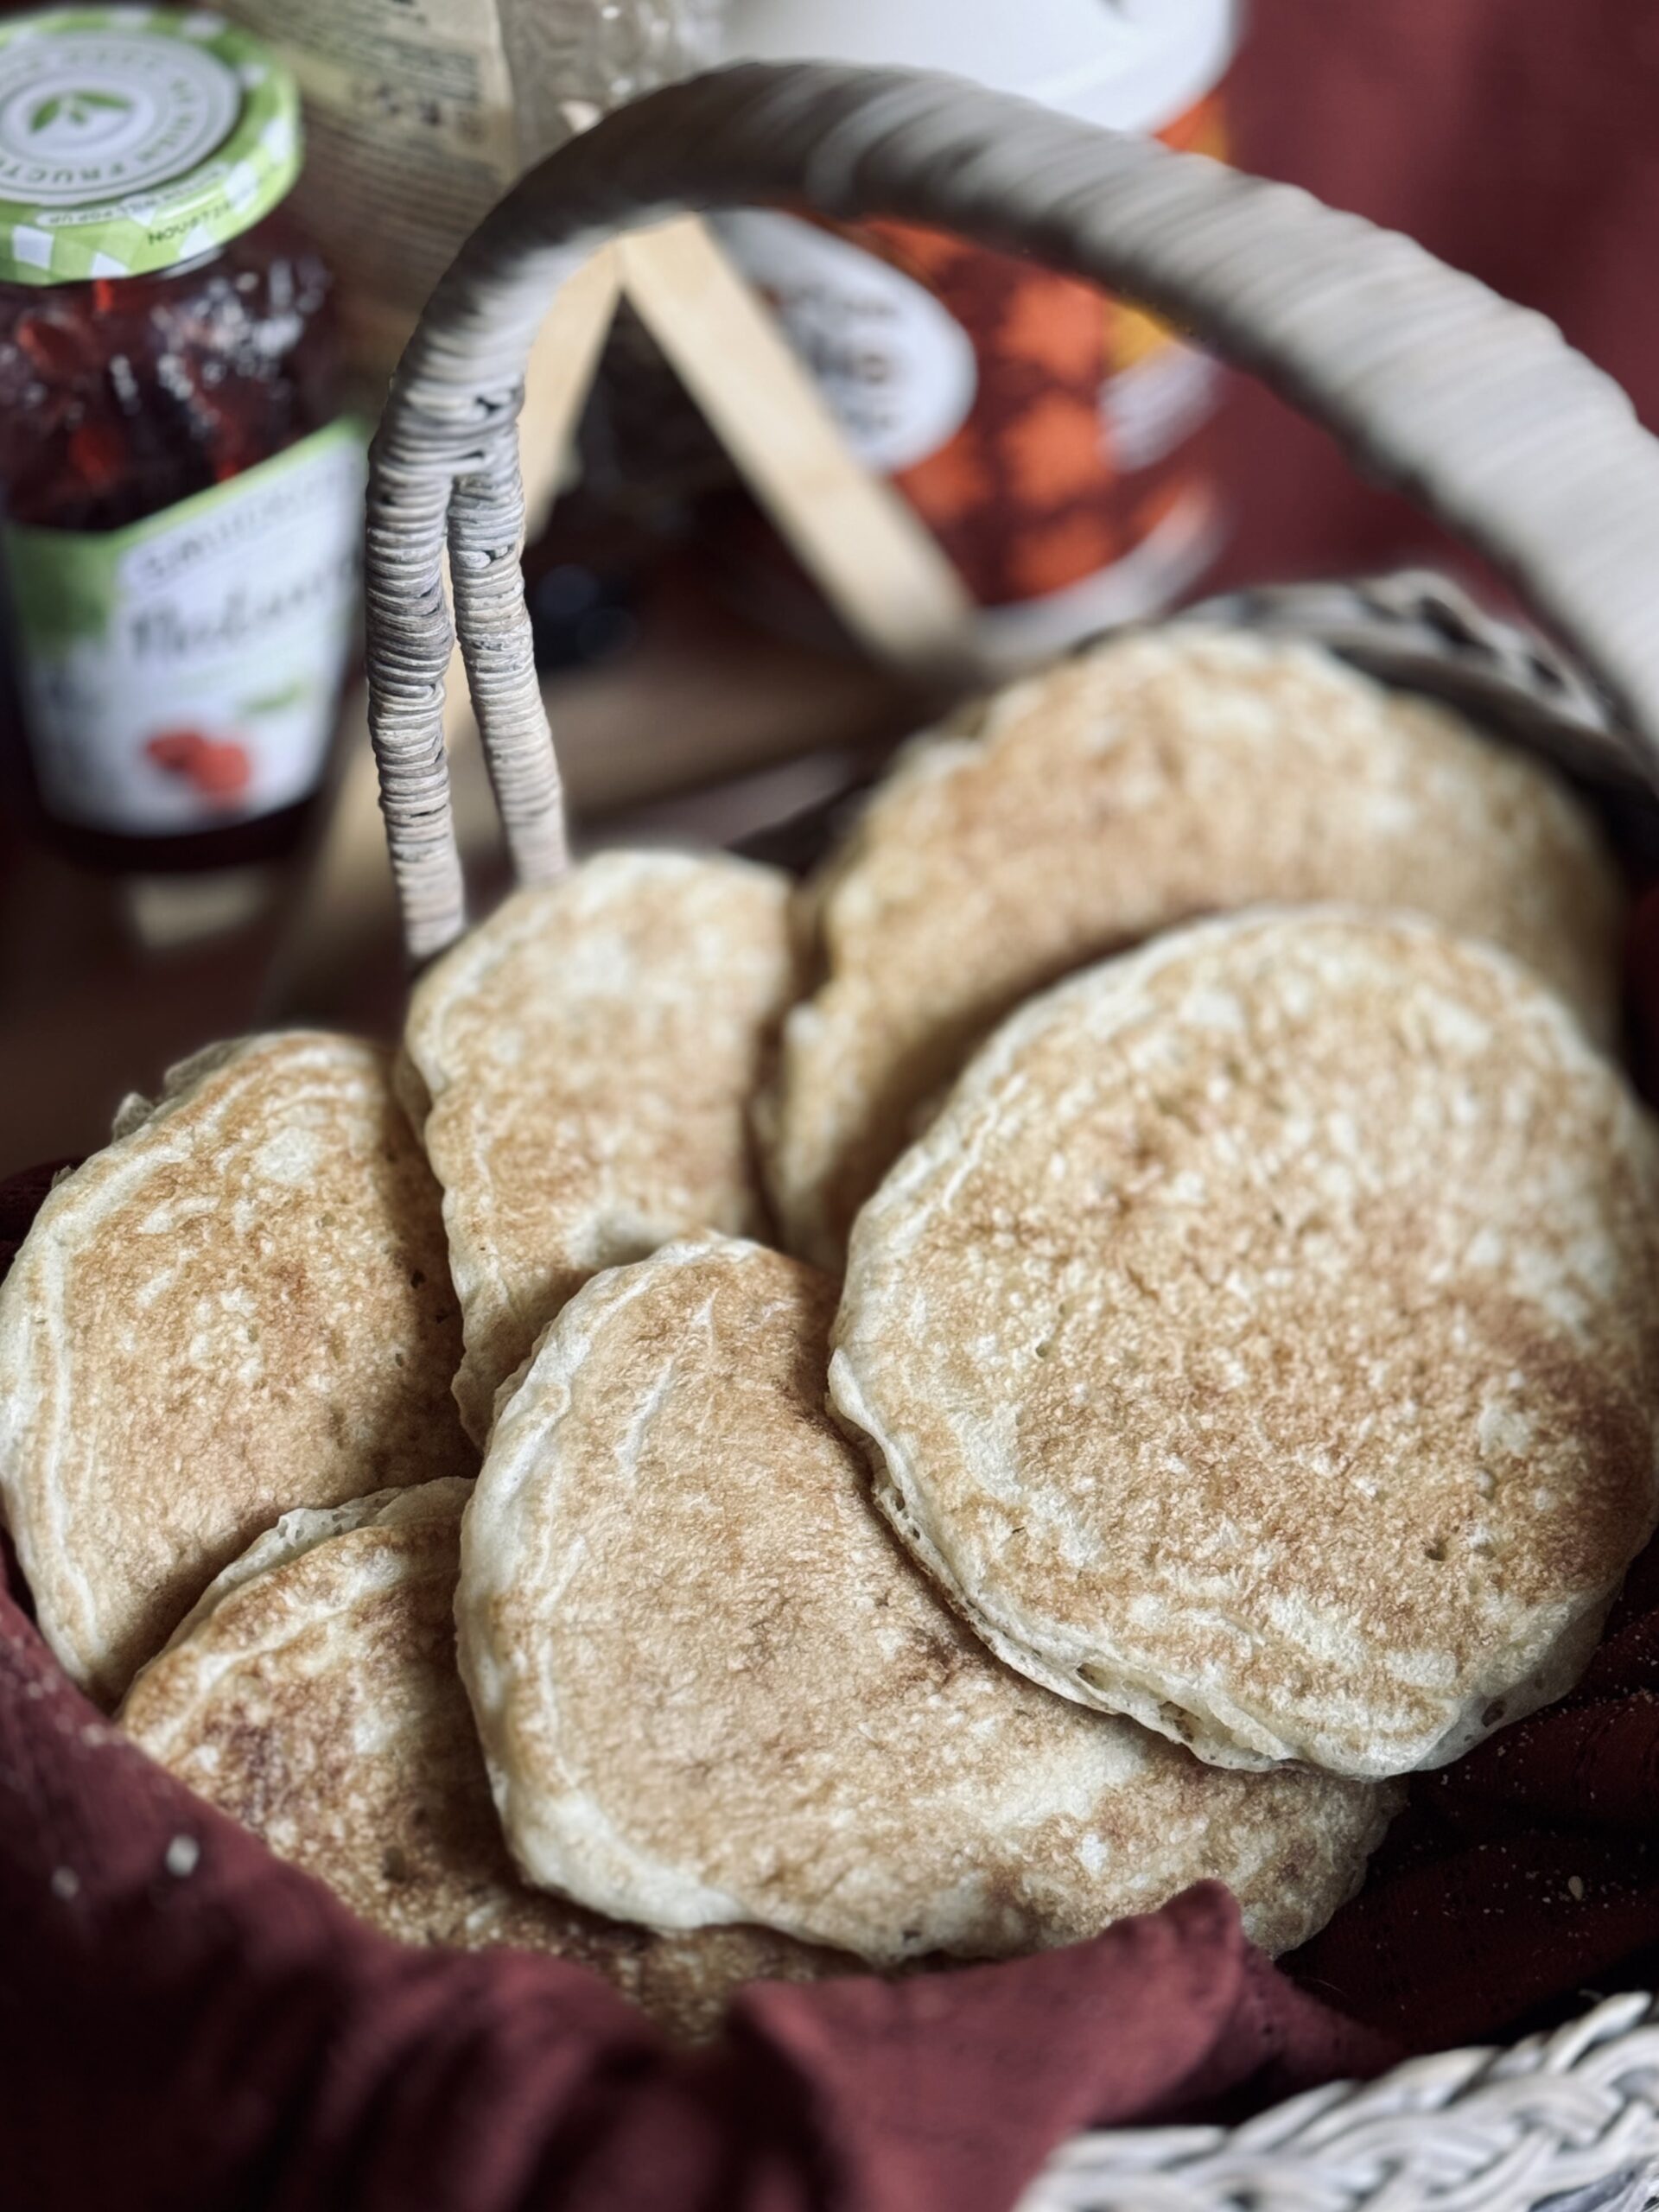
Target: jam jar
pixel 182 495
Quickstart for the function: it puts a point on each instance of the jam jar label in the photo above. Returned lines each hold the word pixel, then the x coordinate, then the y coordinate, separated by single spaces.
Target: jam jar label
pixel 183 673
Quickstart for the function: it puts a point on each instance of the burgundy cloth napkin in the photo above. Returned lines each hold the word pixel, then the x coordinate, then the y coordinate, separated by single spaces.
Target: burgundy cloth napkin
pixel 1526 1875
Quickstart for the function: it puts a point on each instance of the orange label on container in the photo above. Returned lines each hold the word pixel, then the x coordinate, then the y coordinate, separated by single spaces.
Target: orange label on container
pixel 1044 430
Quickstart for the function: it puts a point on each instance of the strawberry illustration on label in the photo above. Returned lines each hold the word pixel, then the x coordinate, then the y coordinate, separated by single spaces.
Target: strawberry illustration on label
pixel 218 768
pixel 222 771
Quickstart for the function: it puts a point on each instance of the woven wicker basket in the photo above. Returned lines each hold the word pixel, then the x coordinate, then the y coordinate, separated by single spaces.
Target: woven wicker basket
pixel 1475 408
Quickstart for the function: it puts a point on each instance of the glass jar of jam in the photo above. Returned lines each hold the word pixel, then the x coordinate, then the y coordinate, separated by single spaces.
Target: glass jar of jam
pixel 183 498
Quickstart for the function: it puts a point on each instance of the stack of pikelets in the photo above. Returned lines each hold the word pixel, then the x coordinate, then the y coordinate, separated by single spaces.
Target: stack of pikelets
pixel 1216 1377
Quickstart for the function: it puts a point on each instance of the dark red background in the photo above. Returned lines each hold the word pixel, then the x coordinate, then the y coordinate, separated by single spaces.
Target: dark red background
pixel 1518 139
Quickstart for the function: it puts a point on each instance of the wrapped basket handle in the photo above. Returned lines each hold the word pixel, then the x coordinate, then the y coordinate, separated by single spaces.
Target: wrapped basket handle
pixel 1475 408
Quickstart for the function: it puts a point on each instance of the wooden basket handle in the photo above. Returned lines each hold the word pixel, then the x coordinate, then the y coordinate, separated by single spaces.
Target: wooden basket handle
pixel 1475 408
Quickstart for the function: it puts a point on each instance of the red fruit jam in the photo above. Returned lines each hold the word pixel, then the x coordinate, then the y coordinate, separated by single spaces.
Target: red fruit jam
pixel 121 397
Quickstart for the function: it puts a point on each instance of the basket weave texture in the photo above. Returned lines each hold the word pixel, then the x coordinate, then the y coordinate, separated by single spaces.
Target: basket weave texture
pixel 1477 408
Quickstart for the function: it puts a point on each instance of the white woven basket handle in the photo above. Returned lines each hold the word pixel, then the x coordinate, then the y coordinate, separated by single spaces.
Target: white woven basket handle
pixel 1474 407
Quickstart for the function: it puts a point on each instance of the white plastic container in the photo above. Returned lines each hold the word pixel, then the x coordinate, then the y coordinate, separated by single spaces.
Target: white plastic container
pixel 1052 438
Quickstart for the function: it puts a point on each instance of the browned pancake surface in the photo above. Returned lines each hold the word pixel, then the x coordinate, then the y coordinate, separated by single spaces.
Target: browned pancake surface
pixel 1264 1341
pixel 241 1306
pixel 581 1067
pixel 711 1688
pixel 314 1697
pixel 1161 777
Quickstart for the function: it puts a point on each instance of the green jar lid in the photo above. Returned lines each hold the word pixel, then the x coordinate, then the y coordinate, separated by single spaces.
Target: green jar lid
pixel 132 139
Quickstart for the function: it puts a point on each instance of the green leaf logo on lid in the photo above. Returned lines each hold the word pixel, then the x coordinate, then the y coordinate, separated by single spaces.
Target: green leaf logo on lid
pixel 132 138
pixel 84 116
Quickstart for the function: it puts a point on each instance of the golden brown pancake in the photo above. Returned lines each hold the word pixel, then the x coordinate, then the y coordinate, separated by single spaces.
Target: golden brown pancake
pixel 242 1305
pixel 582 1068
pixel 711 1688
pixel 313 1696
pixel 1159 777
pixel 1264 1340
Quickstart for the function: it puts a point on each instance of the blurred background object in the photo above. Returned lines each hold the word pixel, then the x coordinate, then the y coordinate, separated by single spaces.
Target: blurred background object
pixel 1513 136
pixel 1054 441
pixel 420 114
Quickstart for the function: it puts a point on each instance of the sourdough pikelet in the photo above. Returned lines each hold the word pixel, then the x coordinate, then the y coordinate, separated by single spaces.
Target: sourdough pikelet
pixel 312 1694
pixel 1264 1341
pixel 711 1688
pixel 1157 778
pixel 241 1306
pixel 582 1068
